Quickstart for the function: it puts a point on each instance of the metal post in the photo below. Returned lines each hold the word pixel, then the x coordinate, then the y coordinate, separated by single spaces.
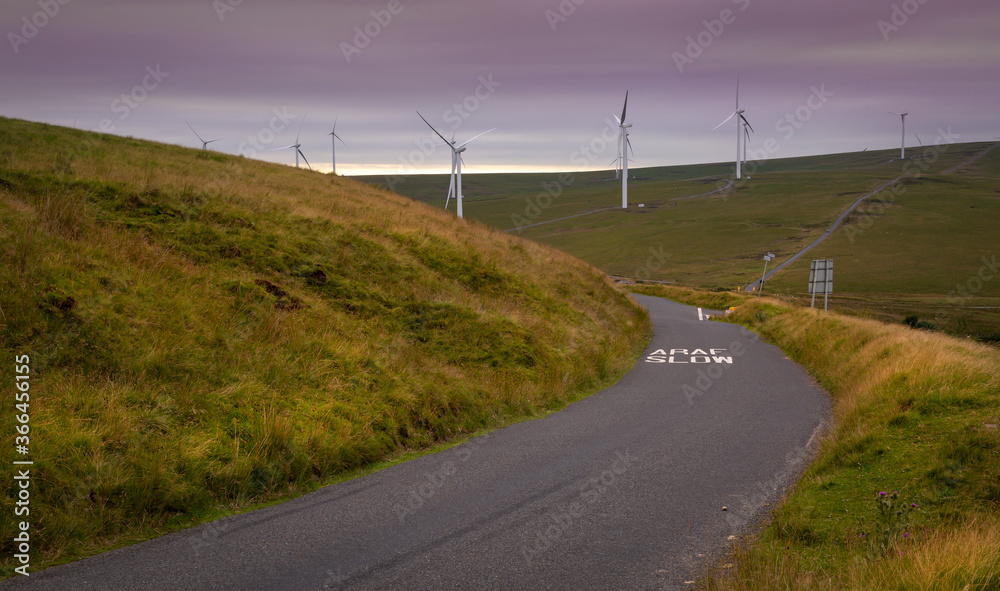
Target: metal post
pixel 767 259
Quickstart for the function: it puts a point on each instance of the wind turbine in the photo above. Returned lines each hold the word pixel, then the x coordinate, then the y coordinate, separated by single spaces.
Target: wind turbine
pixel 333 139
pixel 738 113
pixel 624 146
pixel 456 163
pixel 297 146
pixel 902 149
pixel 204 144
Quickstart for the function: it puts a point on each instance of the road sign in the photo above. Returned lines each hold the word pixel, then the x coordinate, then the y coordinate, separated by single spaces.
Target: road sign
pixel 767 258
pixel 821 280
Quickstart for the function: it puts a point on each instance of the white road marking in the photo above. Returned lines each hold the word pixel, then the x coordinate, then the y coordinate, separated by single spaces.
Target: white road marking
pixel 700 315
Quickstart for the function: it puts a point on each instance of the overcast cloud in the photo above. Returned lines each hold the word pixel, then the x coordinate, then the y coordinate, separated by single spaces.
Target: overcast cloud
pixel 548 74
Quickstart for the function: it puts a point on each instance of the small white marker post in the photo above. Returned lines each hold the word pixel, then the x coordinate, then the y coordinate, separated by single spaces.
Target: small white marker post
pixel 821 278
pixel 767 259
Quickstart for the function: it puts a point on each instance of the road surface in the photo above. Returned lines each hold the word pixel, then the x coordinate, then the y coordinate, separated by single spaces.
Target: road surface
pixel 622 490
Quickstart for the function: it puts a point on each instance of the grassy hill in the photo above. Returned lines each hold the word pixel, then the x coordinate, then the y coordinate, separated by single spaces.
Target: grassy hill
pixel 908 253
pixel 905 490
pixel 207 333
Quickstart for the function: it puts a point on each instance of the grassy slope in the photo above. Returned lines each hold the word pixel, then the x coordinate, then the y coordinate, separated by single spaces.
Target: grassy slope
pixel 909 254
pixel 915 412
pixel 208 332
pixel 894 258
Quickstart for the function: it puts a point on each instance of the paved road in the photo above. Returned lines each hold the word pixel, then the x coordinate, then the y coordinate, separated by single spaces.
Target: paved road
pixel 622 490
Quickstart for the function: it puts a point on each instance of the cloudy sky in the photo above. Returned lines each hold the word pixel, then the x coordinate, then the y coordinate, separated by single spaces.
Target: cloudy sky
pixel 817 76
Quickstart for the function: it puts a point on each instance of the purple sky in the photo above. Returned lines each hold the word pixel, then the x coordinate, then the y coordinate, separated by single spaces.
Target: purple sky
pixel 554 73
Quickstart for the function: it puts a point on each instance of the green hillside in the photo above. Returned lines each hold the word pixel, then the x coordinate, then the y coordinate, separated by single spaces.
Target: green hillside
pixel 207 333
pixel 908 253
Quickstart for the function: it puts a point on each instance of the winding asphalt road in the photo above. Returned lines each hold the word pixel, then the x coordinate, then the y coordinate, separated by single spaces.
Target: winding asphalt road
pixel 622 490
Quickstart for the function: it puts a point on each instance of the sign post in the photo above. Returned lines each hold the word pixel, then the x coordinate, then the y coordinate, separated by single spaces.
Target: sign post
pixel 821 280
pixel 767 259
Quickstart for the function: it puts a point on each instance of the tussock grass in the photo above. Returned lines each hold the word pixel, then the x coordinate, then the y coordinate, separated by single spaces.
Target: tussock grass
pixel 209 333
pixel 914 412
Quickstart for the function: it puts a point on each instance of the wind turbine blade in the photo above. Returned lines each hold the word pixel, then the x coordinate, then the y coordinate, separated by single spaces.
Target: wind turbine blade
pixel 737 92
pixel 299 132
pixel 724 122
pixel 195 132
pixel 304 158
pixel 477 137
pixel 629 142
pixel 212 141
pixel 338 137
pixel 451 183
pixel 435 131
pixel 747 122
pixel 918 139
pixel 281 148
pixel 625 107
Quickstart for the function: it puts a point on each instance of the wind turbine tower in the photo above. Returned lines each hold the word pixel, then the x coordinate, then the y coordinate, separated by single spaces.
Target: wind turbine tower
pixel 902 148
pixel 333 138
pixel 624 145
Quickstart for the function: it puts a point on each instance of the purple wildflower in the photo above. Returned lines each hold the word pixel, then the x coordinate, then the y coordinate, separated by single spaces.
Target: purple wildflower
pixel 914 505
pixel 882 493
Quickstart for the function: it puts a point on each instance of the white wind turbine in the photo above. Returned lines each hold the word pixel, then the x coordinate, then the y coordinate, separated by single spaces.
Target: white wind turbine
pixel 456 164
pixel 204 144
pixel 902 149
pixel 333 138
pixel 740 121
pixel 296 146
pixel 624 146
